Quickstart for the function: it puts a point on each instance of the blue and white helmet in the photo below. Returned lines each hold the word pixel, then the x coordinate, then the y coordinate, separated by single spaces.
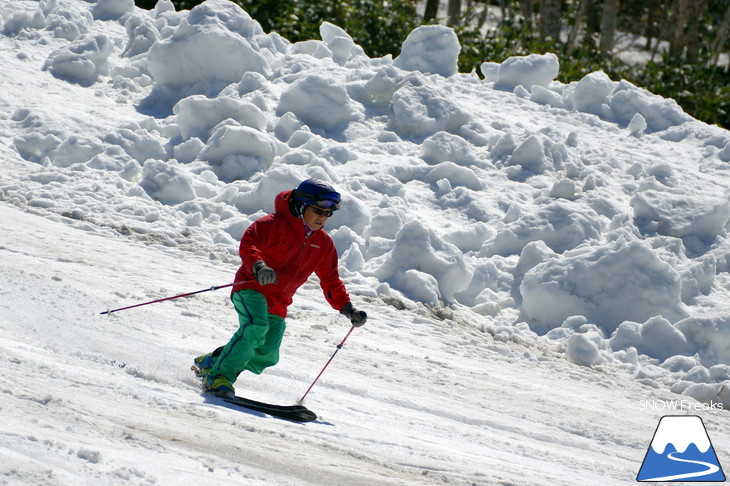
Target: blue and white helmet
pixel 316 192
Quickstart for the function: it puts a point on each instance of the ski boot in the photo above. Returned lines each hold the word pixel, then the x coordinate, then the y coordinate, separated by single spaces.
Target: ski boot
pixel 219 386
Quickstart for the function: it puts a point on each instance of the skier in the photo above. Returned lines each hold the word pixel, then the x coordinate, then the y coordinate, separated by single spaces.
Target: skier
pixel 278 252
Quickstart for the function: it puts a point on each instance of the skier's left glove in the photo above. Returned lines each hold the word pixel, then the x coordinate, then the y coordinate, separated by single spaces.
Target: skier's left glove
pixel 357 317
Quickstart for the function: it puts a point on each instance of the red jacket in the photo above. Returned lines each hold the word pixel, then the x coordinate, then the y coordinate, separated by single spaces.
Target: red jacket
pixel 280 240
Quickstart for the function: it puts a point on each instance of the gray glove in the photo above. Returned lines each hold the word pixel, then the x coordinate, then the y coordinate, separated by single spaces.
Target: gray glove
pixel 263 274
pixel 357 317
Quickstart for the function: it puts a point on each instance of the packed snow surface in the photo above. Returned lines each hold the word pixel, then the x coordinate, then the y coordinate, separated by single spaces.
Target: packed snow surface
pixel 542 263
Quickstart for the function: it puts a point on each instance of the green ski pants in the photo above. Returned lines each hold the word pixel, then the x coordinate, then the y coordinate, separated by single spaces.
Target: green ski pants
pixel 255 345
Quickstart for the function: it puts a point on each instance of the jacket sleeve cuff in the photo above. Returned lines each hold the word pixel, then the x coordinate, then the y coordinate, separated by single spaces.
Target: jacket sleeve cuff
pixel 346 309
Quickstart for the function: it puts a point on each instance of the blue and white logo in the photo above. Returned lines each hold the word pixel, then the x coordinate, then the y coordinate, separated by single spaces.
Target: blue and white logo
pixel 681 451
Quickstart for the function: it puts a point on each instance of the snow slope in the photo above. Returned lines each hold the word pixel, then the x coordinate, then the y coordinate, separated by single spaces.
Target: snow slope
pixel 545 266
pixel 409 400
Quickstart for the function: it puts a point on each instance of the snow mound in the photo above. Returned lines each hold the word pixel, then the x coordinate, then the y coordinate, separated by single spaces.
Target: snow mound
pixel 216 44
pixel 340 44
pixel 680 216
pixel 621 281
pixel 527 71
pixel 82 61
pixel 420 109
pixel 620 102
pixel 430 49
pixel 422 265
pixel 560 225
pixel 319 102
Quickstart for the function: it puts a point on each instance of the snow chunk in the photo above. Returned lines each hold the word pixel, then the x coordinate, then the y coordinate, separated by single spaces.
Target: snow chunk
pixel 724 154
pixel 430 49
pixel 189 150
pixel 314 48
pixel 561 225
pixel 420 110
pixel 21 20
pixel 92 456
pixel 637 126
pixel 423 266
pixel 112 9
pixel 115 159
pixel 659 113
pixel 67 21
pixel 620 281
pixel 680 215
pixel 74 150
pixel 530 155
pixel 527 71
pixel 582 351
pixel 82 61
pixel 710 336
pixel 564 189
pixel 545 96
pixel 35 147
pixel 386 223
pixel 237 152
pixel 620 102
pixel 167 182
pixel 456 175
pixel 140 144
pixel 339 42
pixel 380 87
pixel 197 115
pixel 444 146
pixel 590 93
pixel 215 43
pixel 141 35
pixel 656 338
pixel 319 102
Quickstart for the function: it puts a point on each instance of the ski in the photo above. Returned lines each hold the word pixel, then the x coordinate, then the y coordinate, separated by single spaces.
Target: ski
pixel 293 413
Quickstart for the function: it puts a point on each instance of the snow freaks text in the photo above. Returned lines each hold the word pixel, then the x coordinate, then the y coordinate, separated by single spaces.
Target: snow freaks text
pixel 679 406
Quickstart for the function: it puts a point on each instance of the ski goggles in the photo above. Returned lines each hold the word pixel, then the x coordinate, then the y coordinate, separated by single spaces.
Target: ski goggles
pixel 328 204
pixel 322 201
pixel 325 202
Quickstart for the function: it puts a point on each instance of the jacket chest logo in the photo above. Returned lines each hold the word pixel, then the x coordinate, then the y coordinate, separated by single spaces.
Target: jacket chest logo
pixel 314 246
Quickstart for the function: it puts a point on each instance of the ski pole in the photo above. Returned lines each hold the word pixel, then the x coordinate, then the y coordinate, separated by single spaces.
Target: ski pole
pixel 215 287
pixel 339 346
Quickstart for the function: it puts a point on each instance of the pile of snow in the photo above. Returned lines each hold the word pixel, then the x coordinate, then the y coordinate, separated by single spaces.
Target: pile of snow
pixel 618 282
pixel 430 49
pixel 594 213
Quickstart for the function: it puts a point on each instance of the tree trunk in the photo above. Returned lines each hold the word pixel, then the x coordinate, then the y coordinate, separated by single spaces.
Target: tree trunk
pixel 454 12
pixel 580 16
pixel 527 10
pixel 650 26
pixel 432 9
pixel 693 39
pixel 677 26
pixel 593 17
pixel 721 37
pixel 550 20
pixel 527 14
pixel 608 25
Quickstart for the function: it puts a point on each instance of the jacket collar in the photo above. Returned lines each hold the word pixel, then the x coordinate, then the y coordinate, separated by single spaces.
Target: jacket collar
pixel 281 207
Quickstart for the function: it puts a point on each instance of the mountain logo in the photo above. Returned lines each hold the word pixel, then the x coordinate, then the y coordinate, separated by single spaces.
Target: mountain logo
pixel 681 451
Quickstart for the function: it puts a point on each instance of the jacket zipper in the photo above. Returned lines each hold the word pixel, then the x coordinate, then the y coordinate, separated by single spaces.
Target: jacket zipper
pixel 296 266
